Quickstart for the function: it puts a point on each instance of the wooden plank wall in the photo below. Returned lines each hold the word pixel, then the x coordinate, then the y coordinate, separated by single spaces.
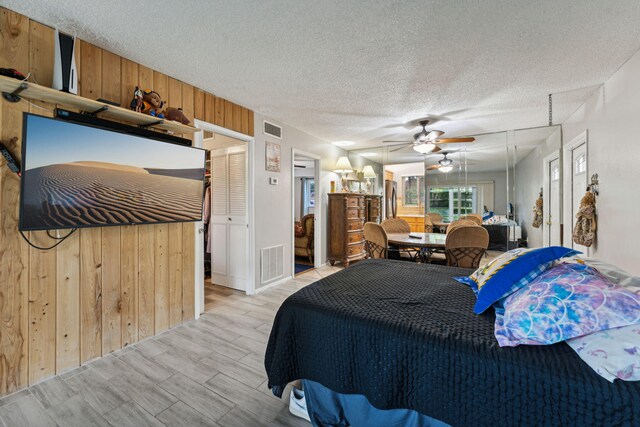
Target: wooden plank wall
pixel 103 288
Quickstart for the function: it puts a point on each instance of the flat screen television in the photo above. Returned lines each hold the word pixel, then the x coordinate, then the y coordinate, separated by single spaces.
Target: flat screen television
pixel 78 175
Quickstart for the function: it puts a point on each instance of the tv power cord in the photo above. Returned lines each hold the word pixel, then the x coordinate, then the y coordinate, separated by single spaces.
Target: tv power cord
pixel 59 240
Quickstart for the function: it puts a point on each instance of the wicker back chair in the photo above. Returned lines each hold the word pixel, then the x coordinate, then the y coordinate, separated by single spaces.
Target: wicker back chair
pixel 435 217
pixel 473 217
pixel 466 245
pixel 375 240
pixel 428 224
pixel 396 225
pixel 459 223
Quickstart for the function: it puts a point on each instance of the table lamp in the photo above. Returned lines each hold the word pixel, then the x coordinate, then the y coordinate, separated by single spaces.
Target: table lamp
pixel 369 174
pixel 343 167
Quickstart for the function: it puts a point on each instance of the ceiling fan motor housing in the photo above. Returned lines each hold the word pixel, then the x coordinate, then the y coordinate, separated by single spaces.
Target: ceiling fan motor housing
pixel 445 161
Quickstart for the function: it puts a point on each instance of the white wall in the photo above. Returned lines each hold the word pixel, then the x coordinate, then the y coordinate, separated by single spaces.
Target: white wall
pixel 273 203
pixel 611 117
pixel 529 180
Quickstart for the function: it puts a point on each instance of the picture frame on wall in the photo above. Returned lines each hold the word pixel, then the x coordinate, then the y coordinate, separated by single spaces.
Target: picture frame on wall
pixel 272 156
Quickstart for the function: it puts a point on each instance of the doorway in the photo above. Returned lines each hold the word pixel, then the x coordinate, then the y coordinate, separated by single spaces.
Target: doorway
pixel 552 220
pixel 225 237
pixel 227 228
pixel 305 200
pixel 575 172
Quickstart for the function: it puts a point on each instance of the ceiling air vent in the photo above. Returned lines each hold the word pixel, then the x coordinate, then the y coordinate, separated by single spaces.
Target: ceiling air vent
pixel 272 130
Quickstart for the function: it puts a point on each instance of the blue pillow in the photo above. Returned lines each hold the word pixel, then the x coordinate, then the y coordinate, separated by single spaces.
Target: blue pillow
pixel 487 215
pixel 512 271
pixel 466 280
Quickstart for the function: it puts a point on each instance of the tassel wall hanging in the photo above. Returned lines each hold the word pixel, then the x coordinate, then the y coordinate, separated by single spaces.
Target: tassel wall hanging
pixel 538 212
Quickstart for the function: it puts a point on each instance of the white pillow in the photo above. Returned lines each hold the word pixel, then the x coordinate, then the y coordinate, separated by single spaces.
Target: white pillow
pixel 614 353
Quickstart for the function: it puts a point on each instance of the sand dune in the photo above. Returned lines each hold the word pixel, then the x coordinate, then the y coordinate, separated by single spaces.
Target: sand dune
pixel 82 194
pixel 111 166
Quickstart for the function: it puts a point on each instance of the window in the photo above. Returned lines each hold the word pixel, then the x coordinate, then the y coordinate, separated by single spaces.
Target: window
pixel 452 202
pixel 581 164
pixel 311 192
pixel 412 190
pixel 309 195
pixel 555 173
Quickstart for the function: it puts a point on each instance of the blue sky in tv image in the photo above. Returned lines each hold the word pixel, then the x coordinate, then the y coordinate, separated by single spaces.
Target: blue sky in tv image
pixel 49 141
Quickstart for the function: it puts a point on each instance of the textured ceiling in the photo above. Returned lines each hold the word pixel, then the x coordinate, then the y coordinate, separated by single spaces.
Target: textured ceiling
pixel 354 70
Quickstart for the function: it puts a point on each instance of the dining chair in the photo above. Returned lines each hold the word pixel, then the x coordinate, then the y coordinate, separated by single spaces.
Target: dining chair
pixel 435 217
pixel 377 245
pixel 473 217
pixel 428 224
pixel 466 245
pixel 458 223
pixel 396 225
pixel 375 241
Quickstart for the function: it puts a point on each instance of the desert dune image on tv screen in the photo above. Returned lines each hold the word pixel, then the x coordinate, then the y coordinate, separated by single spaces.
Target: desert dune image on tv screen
pixel 78 176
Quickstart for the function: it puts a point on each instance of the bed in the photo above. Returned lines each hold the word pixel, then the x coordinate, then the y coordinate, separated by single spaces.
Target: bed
pixel 404 335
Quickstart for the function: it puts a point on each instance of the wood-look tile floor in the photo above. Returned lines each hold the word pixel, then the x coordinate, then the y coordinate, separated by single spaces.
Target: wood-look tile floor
pixel 208 372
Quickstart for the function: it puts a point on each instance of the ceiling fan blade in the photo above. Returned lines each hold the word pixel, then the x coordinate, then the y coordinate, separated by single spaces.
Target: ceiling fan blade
pixel 401 147
pixel 434 134
pixel 453 140
pixel 397 142
pixel 436 150
pixel 433 167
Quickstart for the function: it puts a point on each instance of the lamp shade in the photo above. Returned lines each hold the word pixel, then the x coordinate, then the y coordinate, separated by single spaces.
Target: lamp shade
pixel 343 165
pixel 445 169
pixel 369 172
pixel 424 148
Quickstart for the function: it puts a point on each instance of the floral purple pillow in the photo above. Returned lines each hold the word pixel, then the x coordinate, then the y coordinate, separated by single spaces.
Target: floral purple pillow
pixel 567 301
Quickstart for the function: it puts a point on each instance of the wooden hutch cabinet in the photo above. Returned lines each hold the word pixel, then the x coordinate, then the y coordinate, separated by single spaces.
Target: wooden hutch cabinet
pixel 346 223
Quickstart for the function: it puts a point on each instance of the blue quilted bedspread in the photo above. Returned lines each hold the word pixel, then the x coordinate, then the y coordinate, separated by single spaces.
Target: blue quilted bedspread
pixel 404 335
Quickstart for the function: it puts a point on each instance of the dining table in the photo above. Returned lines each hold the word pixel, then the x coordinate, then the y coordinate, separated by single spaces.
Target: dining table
pixel 425 243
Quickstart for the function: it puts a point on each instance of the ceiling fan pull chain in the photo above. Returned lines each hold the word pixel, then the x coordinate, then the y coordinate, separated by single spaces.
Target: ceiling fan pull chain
pixel 550 110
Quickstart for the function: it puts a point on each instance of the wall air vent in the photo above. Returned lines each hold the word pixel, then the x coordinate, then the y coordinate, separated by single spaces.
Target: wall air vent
pixel 271 129
pixel 272 263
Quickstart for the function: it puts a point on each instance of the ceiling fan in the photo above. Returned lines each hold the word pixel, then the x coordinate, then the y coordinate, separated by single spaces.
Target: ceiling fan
pixel 427 141
pixel 444 165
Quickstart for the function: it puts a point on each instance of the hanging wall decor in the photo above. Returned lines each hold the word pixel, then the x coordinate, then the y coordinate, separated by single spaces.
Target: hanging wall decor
pixel 584 231
pixel 538 212
pixel 272 156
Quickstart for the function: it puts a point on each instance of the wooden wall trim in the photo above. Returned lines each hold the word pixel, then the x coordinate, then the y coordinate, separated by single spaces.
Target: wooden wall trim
pixel 101 289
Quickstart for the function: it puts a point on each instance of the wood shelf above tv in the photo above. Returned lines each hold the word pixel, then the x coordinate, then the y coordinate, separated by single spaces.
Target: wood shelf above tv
pixel 46 94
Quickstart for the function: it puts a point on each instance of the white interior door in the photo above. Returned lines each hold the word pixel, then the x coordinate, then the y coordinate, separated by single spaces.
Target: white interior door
pixel 578 185
pixel 551 207
pixel 238 243
pixel 554 202
pixel 229 218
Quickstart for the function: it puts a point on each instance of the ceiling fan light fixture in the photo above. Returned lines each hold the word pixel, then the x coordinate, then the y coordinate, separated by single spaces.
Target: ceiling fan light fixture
pixel 445 169
pixel 445 162
pixel 424 148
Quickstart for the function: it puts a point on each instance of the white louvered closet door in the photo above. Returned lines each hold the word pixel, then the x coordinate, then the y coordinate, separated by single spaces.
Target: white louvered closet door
pixel 229 219
pixel 239 220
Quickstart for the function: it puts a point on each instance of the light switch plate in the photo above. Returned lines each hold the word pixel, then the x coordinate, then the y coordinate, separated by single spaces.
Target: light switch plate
pixel 273 181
